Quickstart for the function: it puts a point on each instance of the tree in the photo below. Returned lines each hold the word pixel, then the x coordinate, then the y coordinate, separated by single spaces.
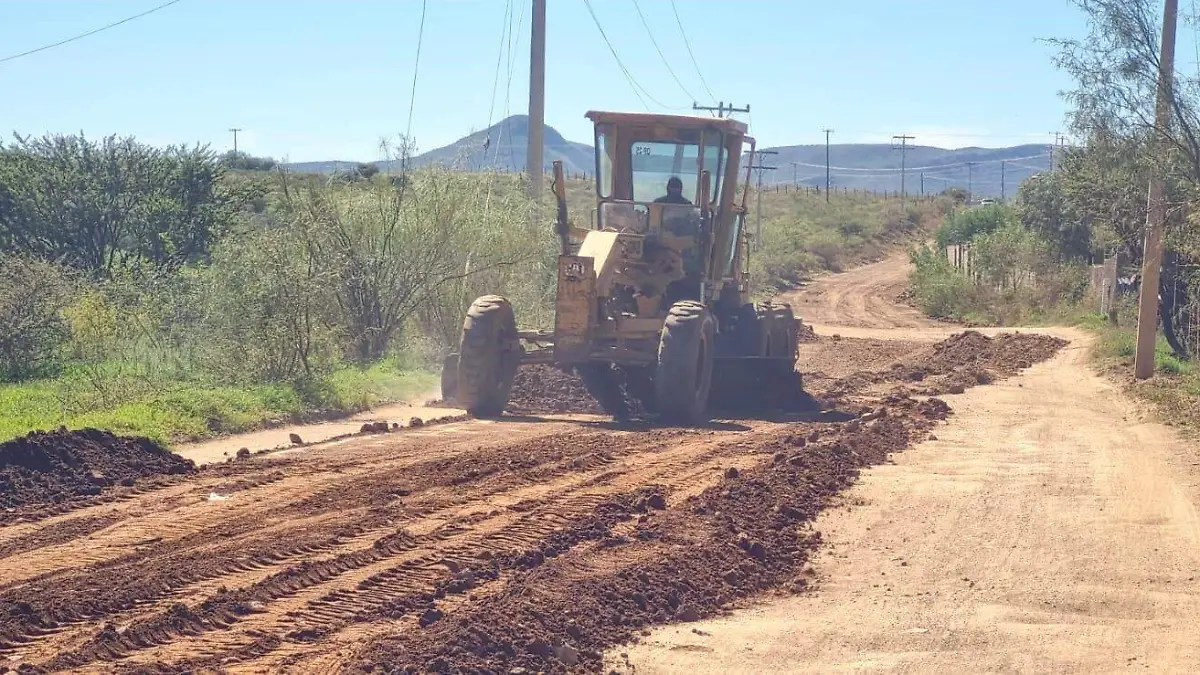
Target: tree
pixel 965 225
pixel 99 205
pixel 243 162
pixel 1043 207
pixel 1116 73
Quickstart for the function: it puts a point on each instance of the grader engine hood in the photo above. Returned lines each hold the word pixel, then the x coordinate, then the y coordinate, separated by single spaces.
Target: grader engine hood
pixel 583 279
pixel 616 281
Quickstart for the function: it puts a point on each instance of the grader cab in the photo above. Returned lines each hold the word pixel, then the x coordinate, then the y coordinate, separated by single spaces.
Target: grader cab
pixel 655 291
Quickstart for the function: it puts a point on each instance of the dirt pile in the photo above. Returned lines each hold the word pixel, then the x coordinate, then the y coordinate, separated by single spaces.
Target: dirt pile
pixel 541 390
pixel 952 366
pixel 1005 354
pixel 642 558
pixel 50 467
pixel 970 358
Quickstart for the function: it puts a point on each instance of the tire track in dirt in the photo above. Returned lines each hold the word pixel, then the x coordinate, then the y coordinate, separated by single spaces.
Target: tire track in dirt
pixel 256 557
pixel 367 590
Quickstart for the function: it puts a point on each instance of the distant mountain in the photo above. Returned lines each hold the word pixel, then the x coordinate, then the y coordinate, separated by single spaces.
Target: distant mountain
pixel 855 166
pixel 877 167
pixel 503 146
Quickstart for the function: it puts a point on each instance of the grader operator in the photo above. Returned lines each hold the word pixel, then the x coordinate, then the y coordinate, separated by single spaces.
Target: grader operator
pixel 657 289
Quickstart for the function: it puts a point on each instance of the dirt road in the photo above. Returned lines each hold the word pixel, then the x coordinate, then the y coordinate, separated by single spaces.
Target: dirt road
pixel 1048 528
pixel 534 542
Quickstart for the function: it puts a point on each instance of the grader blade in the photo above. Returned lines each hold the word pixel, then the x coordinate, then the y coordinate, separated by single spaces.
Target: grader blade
pixel 756 385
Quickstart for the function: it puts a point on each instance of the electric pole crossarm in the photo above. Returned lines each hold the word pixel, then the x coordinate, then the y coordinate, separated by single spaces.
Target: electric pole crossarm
pixel 722 110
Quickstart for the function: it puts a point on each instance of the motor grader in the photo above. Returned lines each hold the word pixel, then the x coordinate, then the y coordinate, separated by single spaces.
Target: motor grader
pixel 654 293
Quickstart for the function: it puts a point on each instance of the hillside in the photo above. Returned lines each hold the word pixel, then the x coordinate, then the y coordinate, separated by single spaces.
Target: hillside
pixel 856 166
pixel 877 167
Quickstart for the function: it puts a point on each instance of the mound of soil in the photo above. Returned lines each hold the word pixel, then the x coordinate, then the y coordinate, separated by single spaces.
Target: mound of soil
pixel 952 366
pixel 652 559
pixel 807 334
pixel 1005 354
pixel 541 389
pixel 51 467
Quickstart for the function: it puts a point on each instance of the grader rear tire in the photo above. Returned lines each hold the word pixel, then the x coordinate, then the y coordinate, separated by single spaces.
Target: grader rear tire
pixel 683 377
pixel 785 341
pixel 489 355
pixel 755 329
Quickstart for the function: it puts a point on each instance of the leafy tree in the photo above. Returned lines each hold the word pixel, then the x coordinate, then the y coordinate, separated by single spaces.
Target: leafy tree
pixel 965 225
pixel 100 205
pixel 1042 206
pixel 243 162
pixel 1116 72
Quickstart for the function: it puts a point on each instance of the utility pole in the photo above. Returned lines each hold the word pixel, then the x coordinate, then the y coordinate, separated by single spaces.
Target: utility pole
pixel 537 99
pixel 970 179
pixel 795 183
pixel 1002 186
pixel 904 139
pixel 922 183
pixel 235 133
pixel 760 168
pixel 1059 141
pixel 721 108
pixel 1156 211
pixel 827 132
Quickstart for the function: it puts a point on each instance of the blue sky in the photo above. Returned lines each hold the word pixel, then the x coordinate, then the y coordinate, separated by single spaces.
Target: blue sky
pixel 326 79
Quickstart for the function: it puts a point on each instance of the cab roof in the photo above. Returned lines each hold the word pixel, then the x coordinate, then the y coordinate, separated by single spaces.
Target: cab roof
pixel 725 124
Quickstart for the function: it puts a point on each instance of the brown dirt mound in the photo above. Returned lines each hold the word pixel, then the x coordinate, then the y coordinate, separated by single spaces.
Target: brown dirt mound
pixel 541 389
pixel 1005 354
pixel 51 467
pixel 644 559
pixel 952 366
pixel 807 334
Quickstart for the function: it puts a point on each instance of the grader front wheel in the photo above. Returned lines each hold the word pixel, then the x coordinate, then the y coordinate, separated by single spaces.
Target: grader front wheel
pixel 489 355
pixel 683 377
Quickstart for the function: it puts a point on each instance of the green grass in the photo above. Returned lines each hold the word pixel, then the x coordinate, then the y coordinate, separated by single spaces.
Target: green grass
pixel 1173 391
pixel 173 412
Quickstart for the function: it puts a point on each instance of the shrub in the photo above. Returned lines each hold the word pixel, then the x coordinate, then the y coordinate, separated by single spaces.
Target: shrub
pixel 965 225
pixel 33 330
pixel 941 290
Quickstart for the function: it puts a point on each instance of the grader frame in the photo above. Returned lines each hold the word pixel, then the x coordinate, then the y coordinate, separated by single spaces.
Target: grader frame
pixel 657 289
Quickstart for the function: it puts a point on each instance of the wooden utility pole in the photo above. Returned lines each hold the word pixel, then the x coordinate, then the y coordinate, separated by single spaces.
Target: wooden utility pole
pixel 904 139
pixel 235 133
pixel 1156 207
pixel 1002 186
pixel 537 99
pixel 760 168
pixel 795 183
pixel 827 132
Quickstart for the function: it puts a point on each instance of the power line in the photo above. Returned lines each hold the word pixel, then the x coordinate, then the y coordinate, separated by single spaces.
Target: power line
pixel 89 33
pixel 628 76
pixel 688 44
pixel 512 59
pixel 919 168
pixel 659 50
pixel 412 99
pixel 499 59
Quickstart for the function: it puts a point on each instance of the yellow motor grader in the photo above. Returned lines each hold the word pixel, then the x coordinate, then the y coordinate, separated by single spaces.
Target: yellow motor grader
pixel 655 290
